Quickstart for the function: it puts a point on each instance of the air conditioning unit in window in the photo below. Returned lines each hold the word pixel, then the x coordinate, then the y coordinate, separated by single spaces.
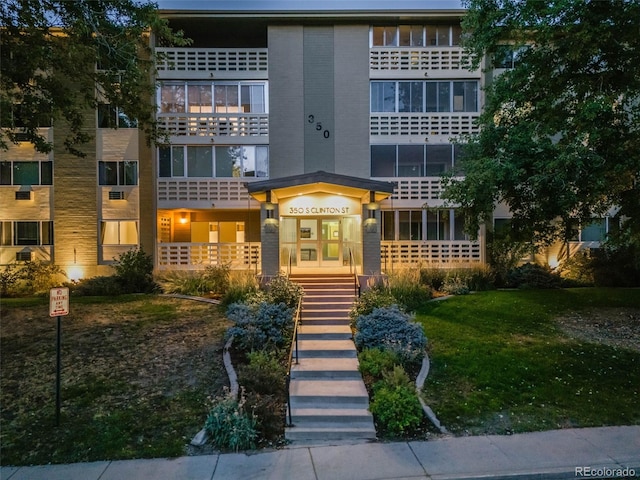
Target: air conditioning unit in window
pixel 116 195
pixel 23 195
pixel 23 256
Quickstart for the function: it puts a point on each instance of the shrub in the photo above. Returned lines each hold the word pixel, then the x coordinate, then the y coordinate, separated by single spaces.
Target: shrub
pixel 282 290
pixel 616 266
pixel 389 328
pixel 38 277
pixel 531 275
pixel 229 426
pixel 216 278
pixel 9 277
pixel 373 362
pixel 433 278
pixel 134 269
pixel 181 282
pixel 99 286
pixel 578 269
pixel 395 403
pixel 376 297
pixel 477 277
pixel 241 285
pixel 269 412
pixel 266 326
pixel 264 374
pixel 454 285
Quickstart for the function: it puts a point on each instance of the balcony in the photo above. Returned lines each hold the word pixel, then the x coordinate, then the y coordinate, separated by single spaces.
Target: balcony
pixel 205 190
pixel 442 253
pixel 207 63
pixel 423 124
pixel 431 62
pixel 197 256
pixel 215 125
pixel 415 188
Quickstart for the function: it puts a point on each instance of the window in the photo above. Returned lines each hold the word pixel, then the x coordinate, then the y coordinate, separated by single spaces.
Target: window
pixel 507 56
pixel 420 96
pixel 412 160
pixel 110 116
pixel 26 233
pixel 596 231
pixel 26 173
pixel 123 232
pixel 410 225
pixel 14 115
pixel 221 161
pixel 415 35
pixel 388 225
pixel 118 173
pixel 213 97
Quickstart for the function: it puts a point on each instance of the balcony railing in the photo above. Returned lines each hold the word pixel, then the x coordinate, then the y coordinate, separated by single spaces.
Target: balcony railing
pixel 433 252
pixel 428 59
pixel 174 62
pixel 214 125
pixel 197 256
pixel 202 190
pixel 415 188
pixel 423 124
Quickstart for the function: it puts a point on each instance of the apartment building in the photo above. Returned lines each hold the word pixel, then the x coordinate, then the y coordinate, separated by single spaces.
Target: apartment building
pixel 303 136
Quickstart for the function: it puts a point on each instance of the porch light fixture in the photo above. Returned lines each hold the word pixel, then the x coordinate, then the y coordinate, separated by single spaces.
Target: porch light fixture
pixel 269 206
pixel 183 218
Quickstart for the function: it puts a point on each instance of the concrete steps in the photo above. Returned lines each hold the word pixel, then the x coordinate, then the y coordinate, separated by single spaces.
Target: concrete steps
pixel 329 402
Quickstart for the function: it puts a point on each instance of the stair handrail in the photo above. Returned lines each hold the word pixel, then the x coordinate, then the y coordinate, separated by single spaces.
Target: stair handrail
pixel 356 280
pixel 294 342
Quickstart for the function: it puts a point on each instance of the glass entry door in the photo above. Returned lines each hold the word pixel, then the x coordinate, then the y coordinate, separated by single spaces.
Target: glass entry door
pixel 319 242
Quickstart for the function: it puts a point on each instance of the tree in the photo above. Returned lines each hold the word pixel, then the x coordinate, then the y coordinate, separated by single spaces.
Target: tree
pixel 60 58
pixel 559 139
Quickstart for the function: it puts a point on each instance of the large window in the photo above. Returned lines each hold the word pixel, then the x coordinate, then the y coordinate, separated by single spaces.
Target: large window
pixel 213 97
pixel 122 232
pixel 424 96
pixel 507 56
pixel 431 224
pixel 413 160
pixel 434 35
pixel 220 161
pixel 118 173
pixel 110 116
pixel 14 116
pixel 26 233
pixel 26 173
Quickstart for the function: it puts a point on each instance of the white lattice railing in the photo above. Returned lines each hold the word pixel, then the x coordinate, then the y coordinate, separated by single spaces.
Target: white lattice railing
pixel 430 252
pixel 211 60
pixel 423 124
pixel 412 59
pixel 415 188
pixel 197 256
pixel 209 189
pixel 208 125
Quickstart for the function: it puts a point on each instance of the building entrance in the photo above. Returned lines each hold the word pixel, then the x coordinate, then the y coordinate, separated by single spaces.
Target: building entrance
pixel 318 242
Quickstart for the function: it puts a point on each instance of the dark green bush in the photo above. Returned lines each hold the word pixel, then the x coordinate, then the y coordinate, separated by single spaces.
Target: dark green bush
pixel 433 278
pixel 134 269
pixel 265 326
pixel 263 374
pixel 9 278
pixel 531 275
pixel 395 405
pixel 616 266
pixel 373 362
pixel 99 286
pixel 389 328
pixel 578 270
pixel 269 412
pixel 412 296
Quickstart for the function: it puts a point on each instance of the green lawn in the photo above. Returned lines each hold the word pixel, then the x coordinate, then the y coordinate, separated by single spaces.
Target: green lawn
pixel 501 364
pixel 137 372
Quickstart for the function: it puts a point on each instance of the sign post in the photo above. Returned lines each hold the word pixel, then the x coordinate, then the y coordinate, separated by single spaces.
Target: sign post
pixel 58 306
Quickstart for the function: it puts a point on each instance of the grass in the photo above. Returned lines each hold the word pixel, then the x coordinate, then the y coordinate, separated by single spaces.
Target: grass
pixel 500 363
pixel 137 372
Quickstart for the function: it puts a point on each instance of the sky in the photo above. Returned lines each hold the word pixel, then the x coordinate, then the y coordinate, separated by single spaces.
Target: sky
pixel 311 5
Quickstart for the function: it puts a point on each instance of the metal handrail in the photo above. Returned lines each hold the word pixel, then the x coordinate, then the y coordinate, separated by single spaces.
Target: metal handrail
pixel 356 281
pixel 294 342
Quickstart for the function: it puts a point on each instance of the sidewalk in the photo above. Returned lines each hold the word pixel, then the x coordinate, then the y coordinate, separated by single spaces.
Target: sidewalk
pixel 596 453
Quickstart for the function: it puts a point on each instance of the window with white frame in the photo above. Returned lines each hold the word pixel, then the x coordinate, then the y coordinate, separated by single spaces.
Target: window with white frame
pixel 424 96
pixel 26 173
pixel 414 160
pixel 596 231
pixel 119 232
pixel 434 35
pixel 118 173
pixel 507 56
pixel 26 233
pixel 213 97
pixel 226 161
pixel 110 116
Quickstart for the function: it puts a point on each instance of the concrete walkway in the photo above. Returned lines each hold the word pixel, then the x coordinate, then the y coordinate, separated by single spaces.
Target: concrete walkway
pixel 558 454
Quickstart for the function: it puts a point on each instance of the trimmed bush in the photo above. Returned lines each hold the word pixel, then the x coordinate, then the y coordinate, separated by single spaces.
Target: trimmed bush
pixel 373 362
pixel 264 374
pixel 531 275
pixel 395 404
pixel 134 269
pixel 265 326
pixel 389 328
pixel 229 426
